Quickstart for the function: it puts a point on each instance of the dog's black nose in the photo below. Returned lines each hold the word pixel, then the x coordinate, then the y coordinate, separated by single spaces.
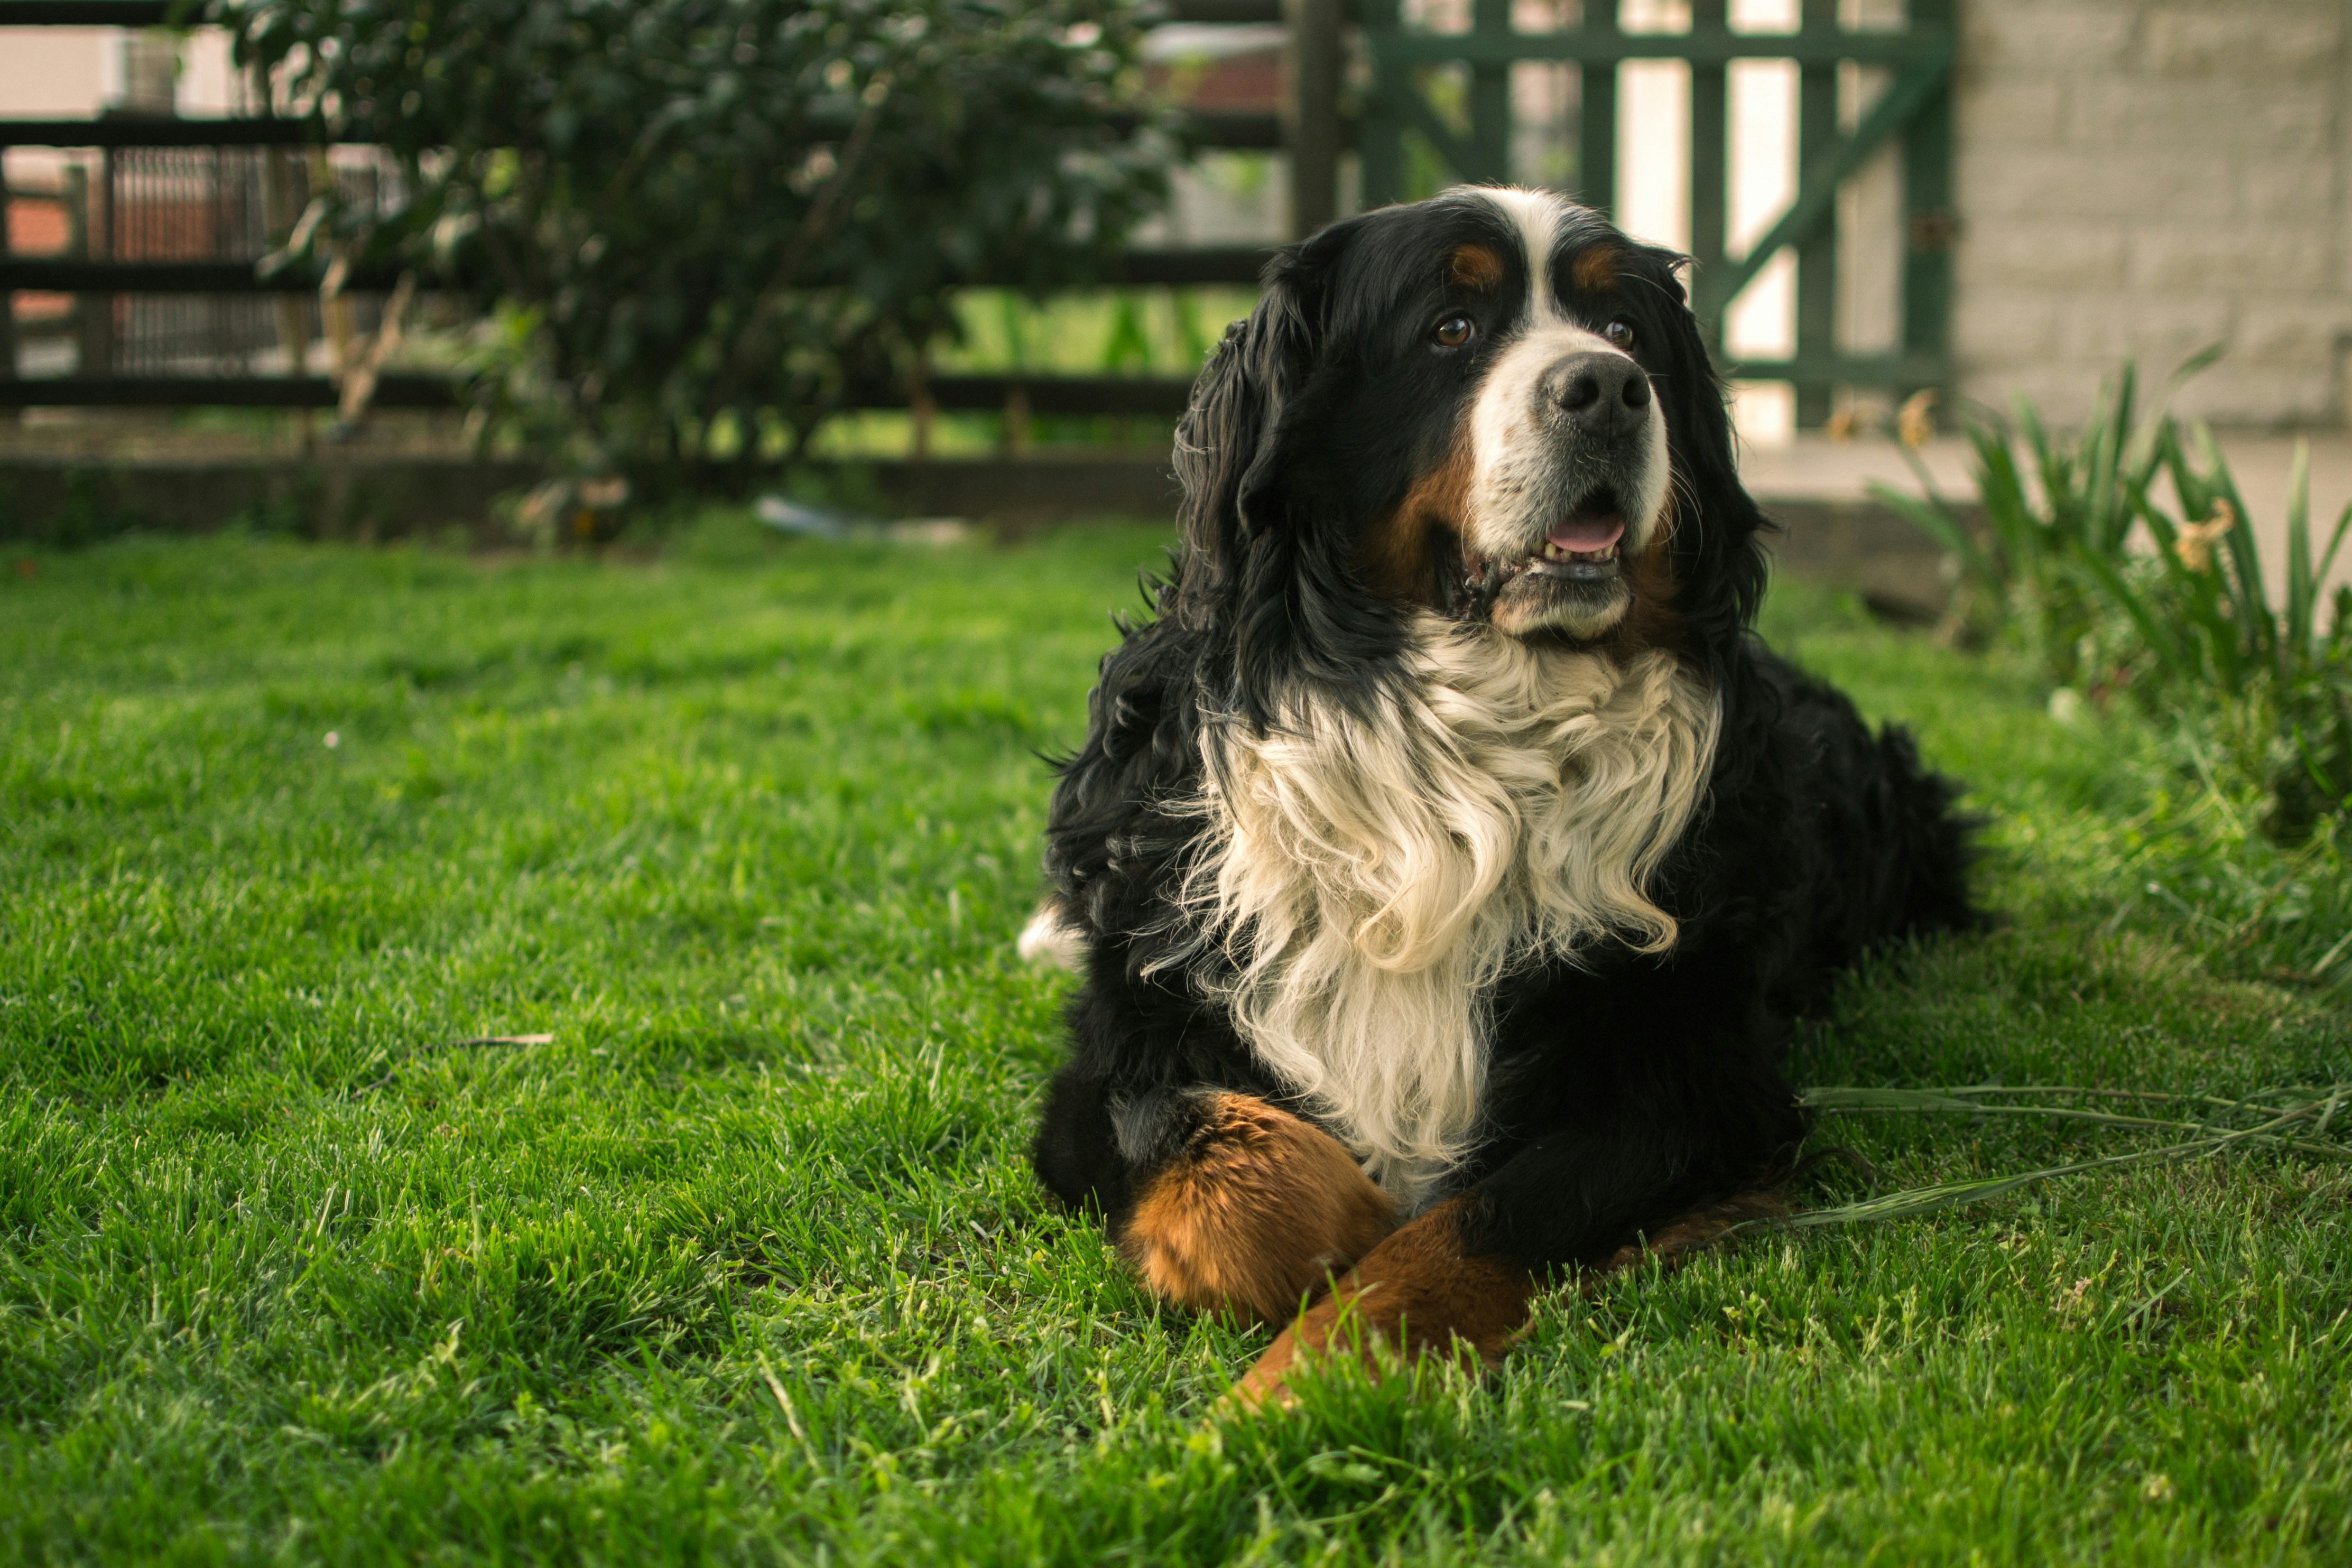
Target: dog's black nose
pixel 1606 394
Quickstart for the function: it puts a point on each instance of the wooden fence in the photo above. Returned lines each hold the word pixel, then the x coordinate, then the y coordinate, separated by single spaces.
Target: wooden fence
pixel 1391 100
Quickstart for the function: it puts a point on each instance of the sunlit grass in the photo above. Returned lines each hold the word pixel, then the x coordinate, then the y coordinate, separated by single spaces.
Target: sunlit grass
pixel 745 1262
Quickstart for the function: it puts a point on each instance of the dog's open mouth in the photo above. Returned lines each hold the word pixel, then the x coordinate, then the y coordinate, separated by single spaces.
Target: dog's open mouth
pixel 1570 578
pixel 1582 545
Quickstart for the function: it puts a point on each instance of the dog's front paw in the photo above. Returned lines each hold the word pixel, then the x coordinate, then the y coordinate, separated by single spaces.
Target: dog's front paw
pixel 1415 1295
pixel 1336 1328
pixel 1256 1212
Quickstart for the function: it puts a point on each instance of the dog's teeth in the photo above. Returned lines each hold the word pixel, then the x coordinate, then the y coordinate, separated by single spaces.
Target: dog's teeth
pixel 1590 558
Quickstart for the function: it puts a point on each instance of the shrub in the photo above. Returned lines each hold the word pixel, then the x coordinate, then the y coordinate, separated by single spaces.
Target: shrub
pixel 698 222
pixel 2273 685
pixel 2110 592
pixel 2018 575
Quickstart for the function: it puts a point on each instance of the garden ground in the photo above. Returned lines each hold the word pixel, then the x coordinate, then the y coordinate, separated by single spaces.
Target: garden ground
pixel 741 1262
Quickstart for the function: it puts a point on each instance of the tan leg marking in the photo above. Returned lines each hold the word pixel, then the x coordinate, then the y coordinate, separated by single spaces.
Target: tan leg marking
pixel 1693 1232
pixel 1414 1293
pixel 1258 1210
pixel 1418 1294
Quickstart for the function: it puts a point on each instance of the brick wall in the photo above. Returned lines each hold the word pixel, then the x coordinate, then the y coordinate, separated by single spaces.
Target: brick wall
pixel 2147 176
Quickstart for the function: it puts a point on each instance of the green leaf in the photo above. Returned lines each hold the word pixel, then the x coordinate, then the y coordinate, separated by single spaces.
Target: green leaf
pixel 2301 587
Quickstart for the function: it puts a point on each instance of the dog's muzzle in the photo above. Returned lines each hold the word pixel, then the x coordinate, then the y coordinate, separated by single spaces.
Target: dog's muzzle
pixel 1570 480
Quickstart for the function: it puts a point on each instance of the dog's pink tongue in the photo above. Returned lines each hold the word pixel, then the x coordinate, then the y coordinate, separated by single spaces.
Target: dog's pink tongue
pixel 1585 535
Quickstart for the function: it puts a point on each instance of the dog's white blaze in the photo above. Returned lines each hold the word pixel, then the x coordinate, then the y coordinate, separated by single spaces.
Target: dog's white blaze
pixel 1536 215
pixel 1514 458
pixel 1371 878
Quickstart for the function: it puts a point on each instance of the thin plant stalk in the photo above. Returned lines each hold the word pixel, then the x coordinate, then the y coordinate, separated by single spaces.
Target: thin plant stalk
pixel 1943 1197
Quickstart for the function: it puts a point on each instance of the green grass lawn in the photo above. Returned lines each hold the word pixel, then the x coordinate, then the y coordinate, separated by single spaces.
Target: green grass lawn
pixel 745 1263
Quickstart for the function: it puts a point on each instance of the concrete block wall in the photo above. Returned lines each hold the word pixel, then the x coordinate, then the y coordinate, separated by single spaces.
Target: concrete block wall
pixel 2148 176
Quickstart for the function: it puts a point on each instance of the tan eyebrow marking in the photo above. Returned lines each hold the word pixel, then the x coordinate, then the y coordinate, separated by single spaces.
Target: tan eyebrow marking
pixel 1595 268
pixel 1475 267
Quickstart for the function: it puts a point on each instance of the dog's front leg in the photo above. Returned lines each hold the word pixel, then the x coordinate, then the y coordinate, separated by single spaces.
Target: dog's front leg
pixel 1458 1281
pixel 1252 1211
pixel 1422 1291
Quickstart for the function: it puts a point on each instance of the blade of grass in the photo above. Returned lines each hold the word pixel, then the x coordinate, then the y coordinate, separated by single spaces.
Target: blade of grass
pixel 2335 543
pixel 2213 787
pixel 2252 1101
pixel 2103 443
pixel 1902 1099
pixel 2248 594
pixel 1931 519
pixel 2300 590
pixel 1942 1197
pixel 2320 968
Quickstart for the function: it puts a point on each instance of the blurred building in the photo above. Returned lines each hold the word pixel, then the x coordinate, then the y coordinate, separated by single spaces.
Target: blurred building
pixel 1225 198
pixel 154 204
pixel 2148 176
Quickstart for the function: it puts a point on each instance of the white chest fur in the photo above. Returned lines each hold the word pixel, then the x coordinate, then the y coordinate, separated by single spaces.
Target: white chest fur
pixel 1371 878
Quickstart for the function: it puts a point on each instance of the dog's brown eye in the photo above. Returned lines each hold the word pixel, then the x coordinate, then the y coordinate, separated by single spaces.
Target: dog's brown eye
pixel 1620 333
pixel 1454 331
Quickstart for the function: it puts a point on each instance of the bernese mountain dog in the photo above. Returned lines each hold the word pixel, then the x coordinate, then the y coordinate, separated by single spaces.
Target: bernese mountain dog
pixel 1446 859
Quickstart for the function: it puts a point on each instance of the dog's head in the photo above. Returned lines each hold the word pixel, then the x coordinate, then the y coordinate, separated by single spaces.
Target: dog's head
pixel 1493 405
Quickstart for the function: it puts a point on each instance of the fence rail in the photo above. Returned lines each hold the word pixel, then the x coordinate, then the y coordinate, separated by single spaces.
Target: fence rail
pixel 1159 396
pixel 179 13
pixel 1136 269
pixel 1236 130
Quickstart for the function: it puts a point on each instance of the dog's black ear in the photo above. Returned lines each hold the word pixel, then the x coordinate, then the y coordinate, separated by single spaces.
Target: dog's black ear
pixel 1719 557
pixel 1229 444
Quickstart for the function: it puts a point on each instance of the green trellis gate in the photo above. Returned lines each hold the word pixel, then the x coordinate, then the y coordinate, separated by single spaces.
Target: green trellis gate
pixel 1472 138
